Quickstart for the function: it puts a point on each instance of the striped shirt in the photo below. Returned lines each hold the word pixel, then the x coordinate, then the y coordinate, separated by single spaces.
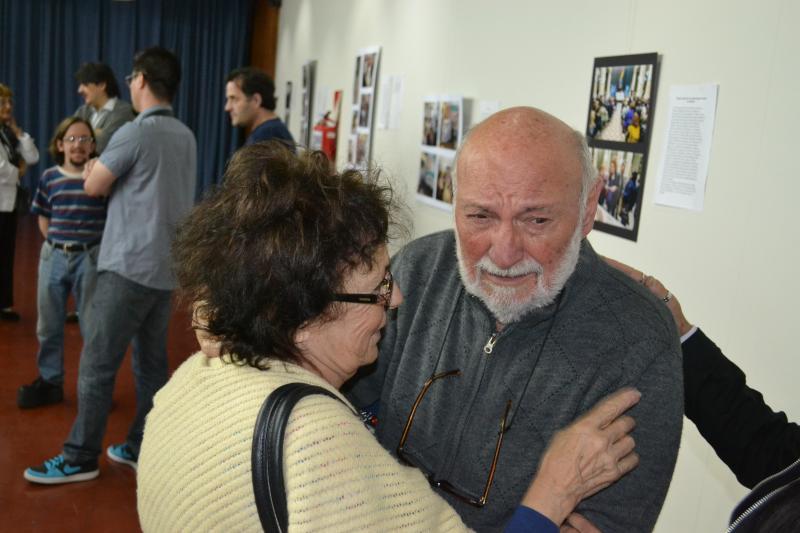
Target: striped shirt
pixel 75 217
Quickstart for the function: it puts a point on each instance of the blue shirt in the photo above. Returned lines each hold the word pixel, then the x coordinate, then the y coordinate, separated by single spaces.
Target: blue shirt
pixel 75 217
pixel 271 129
pixel 527 520
pixel 154 159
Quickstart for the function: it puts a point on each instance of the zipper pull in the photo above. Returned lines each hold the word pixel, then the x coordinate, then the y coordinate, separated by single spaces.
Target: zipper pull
pixel 487 349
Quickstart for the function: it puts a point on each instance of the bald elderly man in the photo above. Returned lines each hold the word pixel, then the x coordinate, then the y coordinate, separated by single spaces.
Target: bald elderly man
pixel 512 321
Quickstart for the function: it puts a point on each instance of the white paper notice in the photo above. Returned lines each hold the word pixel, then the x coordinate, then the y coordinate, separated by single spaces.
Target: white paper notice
pixel 386 102
pixel 682 173
pixel 398 90
pixel 391 100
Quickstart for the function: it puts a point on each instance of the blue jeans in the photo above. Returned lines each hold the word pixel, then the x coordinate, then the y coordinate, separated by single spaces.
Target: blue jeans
pixel 120 312
pixel 59 273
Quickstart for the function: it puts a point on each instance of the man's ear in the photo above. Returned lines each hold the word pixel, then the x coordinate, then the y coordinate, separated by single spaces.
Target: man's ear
pixel 103 86
pixel 590 208
pixel 257 99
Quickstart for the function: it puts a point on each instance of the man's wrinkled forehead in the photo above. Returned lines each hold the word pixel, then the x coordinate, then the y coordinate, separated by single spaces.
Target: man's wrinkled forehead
pixel 520 160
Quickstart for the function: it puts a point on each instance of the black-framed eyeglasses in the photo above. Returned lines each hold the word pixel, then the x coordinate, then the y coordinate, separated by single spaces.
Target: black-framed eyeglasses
pixel 382 294
pixel 441 483
pixel 130 77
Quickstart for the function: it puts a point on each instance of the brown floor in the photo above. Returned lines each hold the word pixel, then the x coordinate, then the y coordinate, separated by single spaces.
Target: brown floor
pixel 107 503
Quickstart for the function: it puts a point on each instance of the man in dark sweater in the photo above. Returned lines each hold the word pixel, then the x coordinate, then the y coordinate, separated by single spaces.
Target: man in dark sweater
pixel 512 327
pixel 250 102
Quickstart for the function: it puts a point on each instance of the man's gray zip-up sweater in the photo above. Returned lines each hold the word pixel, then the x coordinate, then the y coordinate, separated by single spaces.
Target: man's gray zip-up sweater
pixel 607 332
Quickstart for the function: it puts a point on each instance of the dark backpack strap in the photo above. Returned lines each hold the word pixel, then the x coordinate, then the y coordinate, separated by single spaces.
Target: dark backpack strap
pixel 267 454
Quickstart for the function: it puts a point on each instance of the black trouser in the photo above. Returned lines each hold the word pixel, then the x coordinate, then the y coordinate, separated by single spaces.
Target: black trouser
pixel 8 237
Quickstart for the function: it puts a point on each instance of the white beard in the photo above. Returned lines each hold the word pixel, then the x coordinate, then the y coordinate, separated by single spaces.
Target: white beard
pixel 505 303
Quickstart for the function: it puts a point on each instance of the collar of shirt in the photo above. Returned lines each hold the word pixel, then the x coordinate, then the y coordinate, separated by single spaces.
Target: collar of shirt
pixel 109 104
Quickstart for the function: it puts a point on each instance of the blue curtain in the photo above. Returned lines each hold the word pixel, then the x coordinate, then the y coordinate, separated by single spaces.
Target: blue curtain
pixel 43 42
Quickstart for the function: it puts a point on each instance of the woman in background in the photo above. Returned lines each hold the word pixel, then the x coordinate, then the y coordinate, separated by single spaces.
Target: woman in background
pixel 17 152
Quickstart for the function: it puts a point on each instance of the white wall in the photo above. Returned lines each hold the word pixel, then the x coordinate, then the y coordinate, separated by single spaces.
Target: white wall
pixel 731 265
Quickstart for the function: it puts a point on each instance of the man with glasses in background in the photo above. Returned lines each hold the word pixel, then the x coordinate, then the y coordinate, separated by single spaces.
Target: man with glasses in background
pixel 148 170
pixel 72 224
pixel 512 327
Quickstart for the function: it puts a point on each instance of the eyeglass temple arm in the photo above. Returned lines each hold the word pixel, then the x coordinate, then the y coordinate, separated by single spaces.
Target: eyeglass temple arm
pixel 500 435
pixel 421 395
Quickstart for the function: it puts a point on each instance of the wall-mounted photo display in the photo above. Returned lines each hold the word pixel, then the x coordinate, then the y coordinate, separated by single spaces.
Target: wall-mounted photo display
pixel 309 74
pixel 365 83
pixel 288 104
pixel 619 124
pixel 442 130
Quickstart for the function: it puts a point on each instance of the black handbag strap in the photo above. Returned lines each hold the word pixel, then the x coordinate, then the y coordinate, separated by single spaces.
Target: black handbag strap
pixel 267 454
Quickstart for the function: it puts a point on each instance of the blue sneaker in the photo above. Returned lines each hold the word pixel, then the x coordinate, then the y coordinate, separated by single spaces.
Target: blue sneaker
pixel 121 453
pixel 57 470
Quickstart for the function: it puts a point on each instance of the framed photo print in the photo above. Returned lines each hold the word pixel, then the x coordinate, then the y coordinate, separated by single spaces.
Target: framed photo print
pixel 619 122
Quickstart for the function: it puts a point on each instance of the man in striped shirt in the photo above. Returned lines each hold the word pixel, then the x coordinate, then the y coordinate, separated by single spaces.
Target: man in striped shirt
pixel 72 223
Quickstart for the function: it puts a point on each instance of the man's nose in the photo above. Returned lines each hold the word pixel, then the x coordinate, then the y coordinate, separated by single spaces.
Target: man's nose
pixel 507 249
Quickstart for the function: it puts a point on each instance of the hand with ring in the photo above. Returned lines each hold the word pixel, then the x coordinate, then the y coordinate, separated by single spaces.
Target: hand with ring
pixel 658 289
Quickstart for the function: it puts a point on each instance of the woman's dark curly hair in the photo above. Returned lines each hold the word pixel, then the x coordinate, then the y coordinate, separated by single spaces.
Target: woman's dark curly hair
pixel 265 253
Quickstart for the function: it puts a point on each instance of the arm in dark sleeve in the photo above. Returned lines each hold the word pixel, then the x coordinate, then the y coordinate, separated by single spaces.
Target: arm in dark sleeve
pixel 752 439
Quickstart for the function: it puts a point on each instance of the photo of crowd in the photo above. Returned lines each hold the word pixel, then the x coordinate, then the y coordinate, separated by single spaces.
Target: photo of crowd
pixel 622 177
pixel 620 103
pixel 619 119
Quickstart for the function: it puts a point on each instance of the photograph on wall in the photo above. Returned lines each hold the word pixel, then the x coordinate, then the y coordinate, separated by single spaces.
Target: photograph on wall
pixel 427 175
pixel 444 179
pixel 619 122
pixel 309 73
pixel 365 83
pixel 362 150
pixel 450 124
pixel 288 101
pixel 351 148
pixel 622 174
pixel 442 129
pixel 365 111
pixel 369 63
pixel 430 128
pixel 357 79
